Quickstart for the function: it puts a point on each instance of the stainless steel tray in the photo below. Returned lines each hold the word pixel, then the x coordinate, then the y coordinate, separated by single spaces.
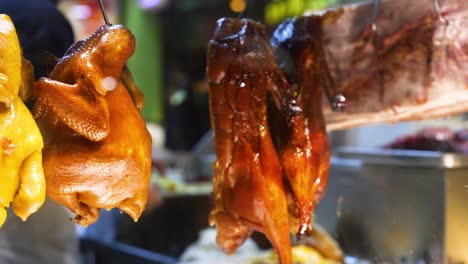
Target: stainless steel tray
pixel 411 158
pixel 398 206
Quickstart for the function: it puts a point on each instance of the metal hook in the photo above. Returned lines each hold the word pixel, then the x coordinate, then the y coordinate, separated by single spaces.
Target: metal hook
pixel 104 14
pixel 338 102
pixel 242 13
pixel 335 97
pixel 439 14
pixel 376 13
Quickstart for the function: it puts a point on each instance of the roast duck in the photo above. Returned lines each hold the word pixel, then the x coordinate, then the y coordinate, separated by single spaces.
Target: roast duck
pixel 267 99
pixel 22 180
pixel 97 150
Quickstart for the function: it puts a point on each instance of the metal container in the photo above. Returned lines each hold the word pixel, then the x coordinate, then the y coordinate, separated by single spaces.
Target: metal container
pixel 396 206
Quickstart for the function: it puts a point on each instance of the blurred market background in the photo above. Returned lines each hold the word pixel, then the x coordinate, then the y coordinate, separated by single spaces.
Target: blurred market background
pixel 169 63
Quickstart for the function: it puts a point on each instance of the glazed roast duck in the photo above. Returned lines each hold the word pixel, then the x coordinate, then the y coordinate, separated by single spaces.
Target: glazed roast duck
pixel 249 194
pixel 97 151
pixel 271 143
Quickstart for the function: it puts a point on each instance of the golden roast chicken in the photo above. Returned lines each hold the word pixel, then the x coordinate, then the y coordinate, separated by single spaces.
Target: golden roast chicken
pixel 21 175
pixel 97 151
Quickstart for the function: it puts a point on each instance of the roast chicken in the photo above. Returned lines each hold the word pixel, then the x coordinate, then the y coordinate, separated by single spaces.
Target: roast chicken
pixel 97 151
pixel 21 175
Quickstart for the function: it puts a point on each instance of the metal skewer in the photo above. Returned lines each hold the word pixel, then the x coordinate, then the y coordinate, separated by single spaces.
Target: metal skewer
pixel 376 13
pixel 439 14
pixel 104 14
pixel 377 47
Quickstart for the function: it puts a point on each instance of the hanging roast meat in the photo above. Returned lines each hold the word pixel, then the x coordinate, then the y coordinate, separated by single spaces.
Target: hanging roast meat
pixel 413 65
pixel 268 121
pixel 248 183
pixel 297 122
pixel 97 151
pixel 269 130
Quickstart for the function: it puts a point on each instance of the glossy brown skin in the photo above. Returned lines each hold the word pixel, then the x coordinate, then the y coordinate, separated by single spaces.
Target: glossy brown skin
pixel 248 185
pixel 413 66
pixel 97 150
pixel 297 122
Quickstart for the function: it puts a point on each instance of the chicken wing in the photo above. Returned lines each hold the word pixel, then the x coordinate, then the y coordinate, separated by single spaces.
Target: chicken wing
pixel 97 151
pixel 21 175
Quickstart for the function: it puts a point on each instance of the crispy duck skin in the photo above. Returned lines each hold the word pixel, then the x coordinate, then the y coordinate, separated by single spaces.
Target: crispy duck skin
pixel 413 66
pixel 297 123
pixel 97 150
pixel 248 183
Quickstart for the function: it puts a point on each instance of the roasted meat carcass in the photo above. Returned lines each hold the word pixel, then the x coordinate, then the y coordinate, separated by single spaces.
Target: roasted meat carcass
pixel 269 130
pixel 430 139
pixel 248 183
pixel 21 175
pixel 297 122
pixel 97 151
pixel 440 139
pixel 406 64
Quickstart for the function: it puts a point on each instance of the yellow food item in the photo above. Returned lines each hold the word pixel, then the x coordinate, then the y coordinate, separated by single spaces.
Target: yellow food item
pixel 21 175
pixel 238 6
pixel 301 254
